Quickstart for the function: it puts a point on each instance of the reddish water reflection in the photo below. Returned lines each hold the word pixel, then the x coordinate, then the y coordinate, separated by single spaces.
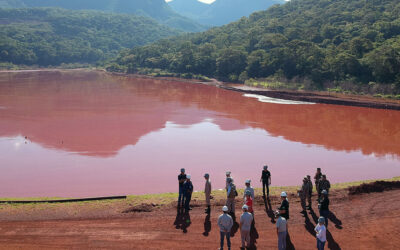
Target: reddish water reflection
pixel 89 133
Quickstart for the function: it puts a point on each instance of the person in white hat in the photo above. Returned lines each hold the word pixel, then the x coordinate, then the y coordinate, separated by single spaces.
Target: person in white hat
pixel 228 175
pixel 284 208
pixel 320 231
pixel 246 219
pixel 248 188
pixel 323 206
pixel 225 223
pixel 181 180
pixel 188 190
pixel 207 192
pixel 281 230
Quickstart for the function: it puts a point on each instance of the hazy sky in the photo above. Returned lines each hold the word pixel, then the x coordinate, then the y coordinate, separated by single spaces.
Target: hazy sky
pixel 204 1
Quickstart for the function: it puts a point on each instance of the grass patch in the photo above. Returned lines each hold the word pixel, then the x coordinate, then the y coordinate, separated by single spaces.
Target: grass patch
pixel 159 200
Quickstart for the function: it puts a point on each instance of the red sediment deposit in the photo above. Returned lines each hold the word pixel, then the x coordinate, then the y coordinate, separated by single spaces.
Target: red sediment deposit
pixel 361 221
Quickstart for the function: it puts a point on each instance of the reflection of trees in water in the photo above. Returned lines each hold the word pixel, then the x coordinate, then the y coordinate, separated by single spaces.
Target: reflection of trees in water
pixel 98 114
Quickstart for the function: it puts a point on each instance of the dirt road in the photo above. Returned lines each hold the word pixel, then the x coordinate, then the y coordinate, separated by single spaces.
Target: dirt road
pixel 367 221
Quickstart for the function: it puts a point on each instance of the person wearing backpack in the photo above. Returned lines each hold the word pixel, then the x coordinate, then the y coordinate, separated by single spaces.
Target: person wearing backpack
pixel 231 195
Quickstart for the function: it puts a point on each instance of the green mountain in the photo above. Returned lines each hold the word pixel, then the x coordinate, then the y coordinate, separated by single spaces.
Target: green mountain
pixel 157 9
pixel 220 12
pixel 50 36
pixel 322 41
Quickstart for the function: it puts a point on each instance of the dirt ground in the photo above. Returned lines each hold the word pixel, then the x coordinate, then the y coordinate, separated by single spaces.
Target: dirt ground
pixel 366 221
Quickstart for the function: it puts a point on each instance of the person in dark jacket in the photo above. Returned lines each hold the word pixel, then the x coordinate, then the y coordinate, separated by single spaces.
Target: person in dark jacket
pixel 181 180
pixel 187 190
pixel 323 206
pixel 284 208
pixel 317 179
pixel 266 180
pixel 310 191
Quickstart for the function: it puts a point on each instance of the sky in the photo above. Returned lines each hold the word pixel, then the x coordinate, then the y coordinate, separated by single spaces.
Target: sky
pixel 204 1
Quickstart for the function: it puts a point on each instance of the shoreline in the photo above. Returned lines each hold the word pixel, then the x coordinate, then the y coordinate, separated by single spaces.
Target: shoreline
pixel 320 97
pixel 167 198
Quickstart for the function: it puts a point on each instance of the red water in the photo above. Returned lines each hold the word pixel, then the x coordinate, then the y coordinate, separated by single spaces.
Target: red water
pixel 92 134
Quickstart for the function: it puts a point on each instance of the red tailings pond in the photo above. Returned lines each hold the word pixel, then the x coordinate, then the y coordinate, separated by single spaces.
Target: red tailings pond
pixel 82 133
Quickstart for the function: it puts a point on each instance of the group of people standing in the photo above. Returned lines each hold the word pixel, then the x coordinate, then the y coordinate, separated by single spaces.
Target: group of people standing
pixel 226 220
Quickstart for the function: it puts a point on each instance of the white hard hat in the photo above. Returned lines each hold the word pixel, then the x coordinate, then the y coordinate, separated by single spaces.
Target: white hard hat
pixel 245 207
pixel 248 181
pixel 283 194
pixel 228 172
pixel 225 209
pixel 188 176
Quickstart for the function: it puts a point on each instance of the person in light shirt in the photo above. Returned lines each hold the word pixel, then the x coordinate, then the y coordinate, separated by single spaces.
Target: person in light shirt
pixel 320 231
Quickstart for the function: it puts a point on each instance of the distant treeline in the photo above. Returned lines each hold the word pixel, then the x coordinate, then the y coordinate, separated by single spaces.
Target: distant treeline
pixel 50 36
pixel 318 40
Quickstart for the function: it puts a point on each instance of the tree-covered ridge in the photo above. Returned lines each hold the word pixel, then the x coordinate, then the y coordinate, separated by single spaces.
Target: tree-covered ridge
pixel 156 9
pixel 321 40
pixel 49 36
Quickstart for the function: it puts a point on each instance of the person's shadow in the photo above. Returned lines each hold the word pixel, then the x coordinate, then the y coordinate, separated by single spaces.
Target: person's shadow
pixel 253 237
pixel 289 244
pixel 182 221
pixel 335 220
pixel 235 226
pixel 268 209
pixel 207 225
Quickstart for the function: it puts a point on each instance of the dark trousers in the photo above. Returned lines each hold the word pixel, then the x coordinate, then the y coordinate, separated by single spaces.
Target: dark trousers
pixel 188 197
pixel 265 185
pixel 228 239
pixel 181 197
pixel 320 244
pixel 325 214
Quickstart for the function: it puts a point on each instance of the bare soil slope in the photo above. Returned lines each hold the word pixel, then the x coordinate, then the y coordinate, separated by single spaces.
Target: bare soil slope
pixel 362 221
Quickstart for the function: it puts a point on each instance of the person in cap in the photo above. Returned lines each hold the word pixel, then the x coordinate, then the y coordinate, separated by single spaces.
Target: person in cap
pixel 324 184
pixel 317 179
pixel 225 223
pixel 181 180
pixel 281 230
pixel 284 208
pixel 231 194
pixel 310 190
pixel 207 192
pixel 248 201
pixel 303 192
pixel 187 190
pixel 320 231
pixel 248 188
pixel 228 175
pixel 324 206
pixel 266 180
pixel 246 219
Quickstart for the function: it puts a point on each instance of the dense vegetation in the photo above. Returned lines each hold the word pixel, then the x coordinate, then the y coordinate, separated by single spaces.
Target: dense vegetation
pixel 49 36
pixel 220 12
pixel 156 9
pixel 317 41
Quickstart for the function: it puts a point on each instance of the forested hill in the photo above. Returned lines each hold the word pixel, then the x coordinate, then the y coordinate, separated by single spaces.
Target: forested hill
pixel 322 40
pixel 220 12
pixel 157 9
pixel 50 36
